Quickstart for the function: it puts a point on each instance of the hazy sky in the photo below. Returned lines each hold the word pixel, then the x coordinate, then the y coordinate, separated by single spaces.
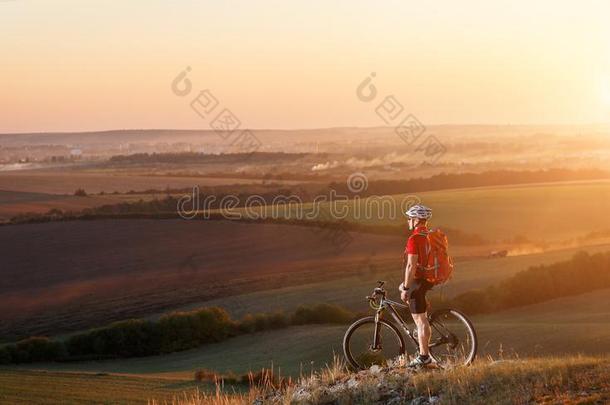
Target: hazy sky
pixel 87 65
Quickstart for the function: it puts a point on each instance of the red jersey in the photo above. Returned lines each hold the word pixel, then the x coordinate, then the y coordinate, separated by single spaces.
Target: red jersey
pixel 417 245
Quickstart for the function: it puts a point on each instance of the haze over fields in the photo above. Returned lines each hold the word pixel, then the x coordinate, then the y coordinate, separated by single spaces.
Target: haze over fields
pixel 197 197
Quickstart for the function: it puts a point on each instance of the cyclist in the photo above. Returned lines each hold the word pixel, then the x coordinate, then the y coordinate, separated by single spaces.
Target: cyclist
pixel 413 290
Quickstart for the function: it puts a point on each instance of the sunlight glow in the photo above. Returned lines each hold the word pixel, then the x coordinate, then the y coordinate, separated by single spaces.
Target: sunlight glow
pixel 605 90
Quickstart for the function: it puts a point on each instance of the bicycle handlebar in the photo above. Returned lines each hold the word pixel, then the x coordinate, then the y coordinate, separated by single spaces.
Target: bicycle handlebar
pixel 377 291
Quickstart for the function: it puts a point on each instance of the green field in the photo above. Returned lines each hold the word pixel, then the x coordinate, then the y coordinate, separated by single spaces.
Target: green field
pixel 538 212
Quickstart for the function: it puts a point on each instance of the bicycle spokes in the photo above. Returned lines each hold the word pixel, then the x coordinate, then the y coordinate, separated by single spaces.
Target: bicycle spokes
pixel 371 344
pixel 453 342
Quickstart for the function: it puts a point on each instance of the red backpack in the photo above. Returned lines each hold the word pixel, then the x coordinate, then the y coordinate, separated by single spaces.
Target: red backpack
pixel 439 265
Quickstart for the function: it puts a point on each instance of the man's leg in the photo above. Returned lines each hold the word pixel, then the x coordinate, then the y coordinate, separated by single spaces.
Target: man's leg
pixel 423 332
pixel 419 307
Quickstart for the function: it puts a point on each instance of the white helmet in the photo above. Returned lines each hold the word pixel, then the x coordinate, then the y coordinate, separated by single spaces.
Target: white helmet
pixel 419 211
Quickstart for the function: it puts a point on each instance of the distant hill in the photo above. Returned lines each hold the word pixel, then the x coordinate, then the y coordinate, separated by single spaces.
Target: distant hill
pixel 119 136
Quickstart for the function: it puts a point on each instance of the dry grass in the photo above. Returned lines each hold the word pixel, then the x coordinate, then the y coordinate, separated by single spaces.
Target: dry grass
pixel 217 398
pixel 566 380
pixel 29 387
pixel 270 378
pixel 558 379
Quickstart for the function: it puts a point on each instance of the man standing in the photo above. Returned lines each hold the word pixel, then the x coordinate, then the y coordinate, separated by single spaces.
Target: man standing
pixel 413 290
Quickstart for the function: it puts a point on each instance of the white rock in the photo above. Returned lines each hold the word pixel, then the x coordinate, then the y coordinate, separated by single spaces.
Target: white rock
pixel 419 401
pixel 301 394
pixel 375 369
pixel 352 383
pixel 394 401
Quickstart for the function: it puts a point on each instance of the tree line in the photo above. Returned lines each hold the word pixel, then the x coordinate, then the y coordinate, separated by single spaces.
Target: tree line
pixel 583 273
pixel 197 157
pixel 172 332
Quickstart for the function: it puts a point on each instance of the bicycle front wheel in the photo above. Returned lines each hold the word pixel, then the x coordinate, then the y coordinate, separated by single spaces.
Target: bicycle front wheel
pixel 454 340
pixel 368 343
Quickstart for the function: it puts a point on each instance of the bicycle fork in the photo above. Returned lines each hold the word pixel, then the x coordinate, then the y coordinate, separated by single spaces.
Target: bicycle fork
pixel 377 335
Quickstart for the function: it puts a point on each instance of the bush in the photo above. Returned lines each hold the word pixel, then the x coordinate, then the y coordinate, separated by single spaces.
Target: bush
pixel 185 330
pixel 133 337
pixel 258 322
pixel 32 349
pixel 137 337
pixel 321 313
pixel 80 192
pixel 205 375
pixel 5 356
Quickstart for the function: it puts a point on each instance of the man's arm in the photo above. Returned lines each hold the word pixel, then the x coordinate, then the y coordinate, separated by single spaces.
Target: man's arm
pixel 410 270
pixel 409 275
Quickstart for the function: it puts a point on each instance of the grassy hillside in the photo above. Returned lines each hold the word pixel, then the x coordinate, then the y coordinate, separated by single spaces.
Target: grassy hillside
pixel 573 380
pixel 579 324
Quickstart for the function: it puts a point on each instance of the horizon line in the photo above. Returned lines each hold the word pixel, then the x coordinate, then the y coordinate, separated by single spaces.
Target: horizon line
pixel 302 129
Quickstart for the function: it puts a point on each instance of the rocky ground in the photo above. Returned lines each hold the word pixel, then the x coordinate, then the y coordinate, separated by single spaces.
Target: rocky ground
pixel 575 380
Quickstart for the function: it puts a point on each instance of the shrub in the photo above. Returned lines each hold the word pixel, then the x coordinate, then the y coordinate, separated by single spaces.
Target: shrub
pixel 34 349
pixel 278 320
pixel 262 321
pixel 321 313
pixel 5 356
pixel 137 337
pixel 205 375
pixel 247 324
pixel 133 337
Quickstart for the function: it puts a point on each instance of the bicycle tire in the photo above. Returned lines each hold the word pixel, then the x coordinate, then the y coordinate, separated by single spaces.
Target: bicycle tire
pixel 363 321
pixel 469 327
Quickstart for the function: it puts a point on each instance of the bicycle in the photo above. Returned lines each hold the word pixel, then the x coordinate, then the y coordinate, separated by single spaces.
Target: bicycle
pixel 453 341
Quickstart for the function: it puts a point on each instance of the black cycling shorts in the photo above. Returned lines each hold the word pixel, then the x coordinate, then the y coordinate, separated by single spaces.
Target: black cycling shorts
pixel 417 295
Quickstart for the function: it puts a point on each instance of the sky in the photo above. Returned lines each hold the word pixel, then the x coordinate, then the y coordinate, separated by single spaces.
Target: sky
pixel 97 65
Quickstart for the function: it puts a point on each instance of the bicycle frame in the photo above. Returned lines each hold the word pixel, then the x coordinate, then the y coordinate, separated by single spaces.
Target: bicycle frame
pixel 388 304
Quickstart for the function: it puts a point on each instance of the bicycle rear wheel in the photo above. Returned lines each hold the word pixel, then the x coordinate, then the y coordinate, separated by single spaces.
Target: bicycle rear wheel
pixel 358 343
pixel 454 340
